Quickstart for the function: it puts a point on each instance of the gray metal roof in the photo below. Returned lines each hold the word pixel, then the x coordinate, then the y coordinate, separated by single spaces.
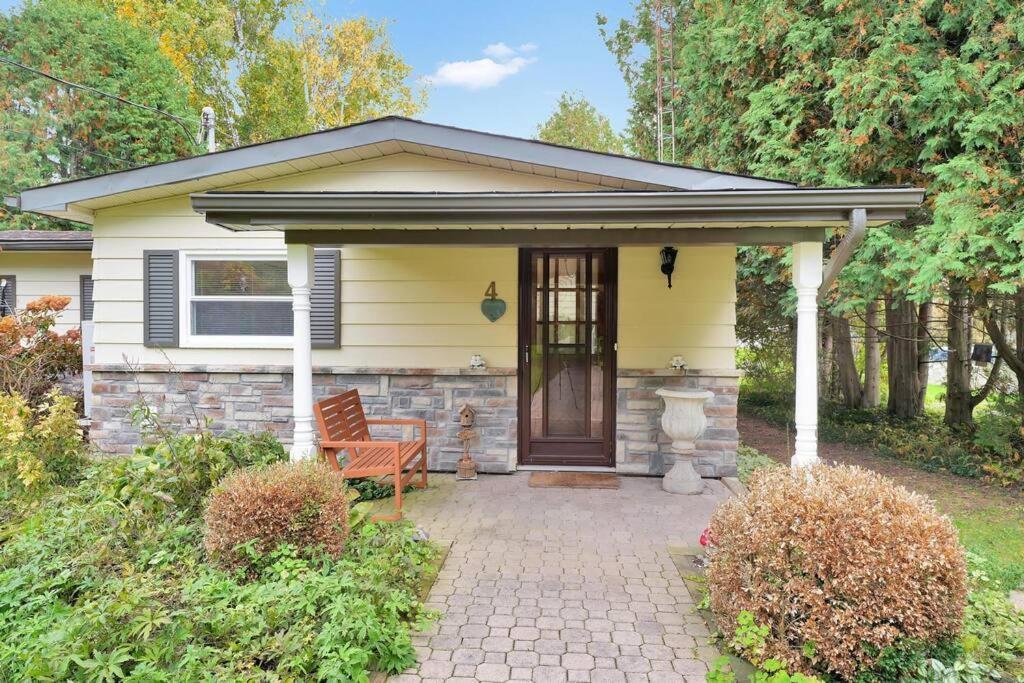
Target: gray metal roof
pixel 45 240
pixel 59 198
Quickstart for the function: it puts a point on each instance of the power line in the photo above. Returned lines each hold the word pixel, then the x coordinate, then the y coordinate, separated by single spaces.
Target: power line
pixel 177 119
pixel 70 145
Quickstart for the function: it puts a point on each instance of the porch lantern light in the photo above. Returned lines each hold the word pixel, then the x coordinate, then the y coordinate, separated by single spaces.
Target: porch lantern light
pixel 668 262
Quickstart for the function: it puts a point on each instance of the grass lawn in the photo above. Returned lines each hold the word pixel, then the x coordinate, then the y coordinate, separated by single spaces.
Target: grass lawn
pixel 997 534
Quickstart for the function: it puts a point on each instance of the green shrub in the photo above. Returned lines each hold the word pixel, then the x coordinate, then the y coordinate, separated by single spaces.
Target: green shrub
pixel 993 452
pixel 108 581
pixel 253 512
pixel 749 641
pixel 993 628
pixel 749 460
pixel 39 448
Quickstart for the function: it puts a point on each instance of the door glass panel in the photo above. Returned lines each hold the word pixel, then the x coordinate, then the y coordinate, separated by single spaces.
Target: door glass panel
pixel 597 347
pixel 567 356
pixel 536 349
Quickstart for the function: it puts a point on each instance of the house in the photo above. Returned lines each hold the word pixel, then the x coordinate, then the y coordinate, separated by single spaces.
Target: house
pixel 35 263
pixel 245 283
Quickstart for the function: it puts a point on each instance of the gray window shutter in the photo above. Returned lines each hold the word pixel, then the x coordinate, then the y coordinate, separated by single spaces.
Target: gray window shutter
pixel 8 295
pixel 325 316
pixel 85 292
pixel 160 298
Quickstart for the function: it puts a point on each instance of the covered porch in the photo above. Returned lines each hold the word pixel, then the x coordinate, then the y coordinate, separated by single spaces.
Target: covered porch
pixel 574 223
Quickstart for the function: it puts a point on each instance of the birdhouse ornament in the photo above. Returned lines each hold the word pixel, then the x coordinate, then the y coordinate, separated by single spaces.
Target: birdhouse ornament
pixel 466 468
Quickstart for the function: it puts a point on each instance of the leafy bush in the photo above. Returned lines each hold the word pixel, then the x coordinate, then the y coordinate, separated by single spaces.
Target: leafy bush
pixel 179 469
pixel 993 452
pixel 109 581
pixel 253 512
pixel 372 489
pixel 748 640
pixel 749 460
pixel 839 567
pixel 39 447
pixel 33 357
pixel 993 628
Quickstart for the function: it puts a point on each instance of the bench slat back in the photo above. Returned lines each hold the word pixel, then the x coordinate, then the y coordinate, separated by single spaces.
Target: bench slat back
pixel 341 418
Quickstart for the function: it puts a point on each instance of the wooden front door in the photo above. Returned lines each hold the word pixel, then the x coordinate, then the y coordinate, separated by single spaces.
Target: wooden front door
pixel 567 357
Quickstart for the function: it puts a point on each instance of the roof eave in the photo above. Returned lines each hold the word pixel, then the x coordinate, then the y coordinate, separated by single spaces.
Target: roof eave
pixel 47 198
pixel 276 211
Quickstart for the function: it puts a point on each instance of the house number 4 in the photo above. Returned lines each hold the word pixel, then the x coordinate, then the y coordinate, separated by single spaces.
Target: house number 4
pixel 492 307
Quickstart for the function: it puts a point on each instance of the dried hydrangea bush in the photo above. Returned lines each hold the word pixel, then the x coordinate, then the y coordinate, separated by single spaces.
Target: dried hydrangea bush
pixel 254 511
pixel 838 567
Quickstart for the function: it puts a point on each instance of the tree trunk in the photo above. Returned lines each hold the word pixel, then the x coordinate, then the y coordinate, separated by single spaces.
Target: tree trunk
pixel 924 315
pixel 993 318
pixel 827 363
pixel 902 355
pixel 872 394
pixel 959 408
pixel 850 387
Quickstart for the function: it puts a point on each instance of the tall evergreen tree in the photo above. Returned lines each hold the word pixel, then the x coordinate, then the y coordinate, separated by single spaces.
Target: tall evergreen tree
pixel 889 92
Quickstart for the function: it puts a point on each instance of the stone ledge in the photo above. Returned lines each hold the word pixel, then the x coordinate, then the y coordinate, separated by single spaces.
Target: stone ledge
pixel 287 369
pixel 669 372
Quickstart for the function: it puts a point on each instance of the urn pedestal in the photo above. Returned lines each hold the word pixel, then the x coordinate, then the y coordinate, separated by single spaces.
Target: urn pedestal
pixel 683 421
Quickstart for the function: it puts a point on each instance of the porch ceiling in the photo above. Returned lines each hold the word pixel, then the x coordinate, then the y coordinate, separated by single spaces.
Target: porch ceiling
pixel 764 216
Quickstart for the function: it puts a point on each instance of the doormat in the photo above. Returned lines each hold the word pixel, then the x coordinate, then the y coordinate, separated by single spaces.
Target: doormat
pixel 573 480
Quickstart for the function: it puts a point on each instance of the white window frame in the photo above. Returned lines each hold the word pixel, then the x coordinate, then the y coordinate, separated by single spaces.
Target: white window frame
pixel 186 297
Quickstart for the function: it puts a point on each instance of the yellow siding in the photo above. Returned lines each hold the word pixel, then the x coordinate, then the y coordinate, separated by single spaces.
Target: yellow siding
pixel 399 307
pixel 694 319
pixel 414 307
pixel 42 273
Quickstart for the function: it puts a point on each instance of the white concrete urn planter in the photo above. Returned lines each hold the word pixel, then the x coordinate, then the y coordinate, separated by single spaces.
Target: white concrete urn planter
pixel 683 422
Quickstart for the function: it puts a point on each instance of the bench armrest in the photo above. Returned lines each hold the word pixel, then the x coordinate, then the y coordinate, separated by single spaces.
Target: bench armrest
pixel 359 444
pixel 422 424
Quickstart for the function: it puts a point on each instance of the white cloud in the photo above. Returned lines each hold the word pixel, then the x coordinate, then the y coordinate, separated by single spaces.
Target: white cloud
pixel 499 51
pixel 500 62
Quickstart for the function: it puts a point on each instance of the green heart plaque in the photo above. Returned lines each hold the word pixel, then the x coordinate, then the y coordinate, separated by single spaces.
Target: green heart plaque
pixel 493 308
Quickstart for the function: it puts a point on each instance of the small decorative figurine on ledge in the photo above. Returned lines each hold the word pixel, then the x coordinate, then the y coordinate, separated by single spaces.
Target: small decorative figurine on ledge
pixel 677 363
pixel 477 362
pixel 466 468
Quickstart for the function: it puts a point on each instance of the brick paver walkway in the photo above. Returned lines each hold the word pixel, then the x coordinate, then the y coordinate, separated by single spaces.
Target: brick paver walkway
pixel 561 584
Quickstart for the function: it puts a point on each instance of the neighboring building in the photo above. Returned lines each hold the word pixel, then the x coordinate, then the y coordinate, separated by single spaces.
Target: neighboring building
pixel 418 230
pixel 35 263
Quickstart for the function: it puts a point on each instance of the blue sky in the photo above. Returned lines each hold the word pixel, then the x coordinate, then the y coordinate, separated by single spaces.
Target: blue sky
pixel 537 50
pixel 563 51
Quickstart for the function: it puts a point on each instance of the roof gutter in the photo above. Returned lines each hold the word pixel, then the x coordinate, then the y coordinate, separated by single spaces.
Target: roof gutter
pixel 278 210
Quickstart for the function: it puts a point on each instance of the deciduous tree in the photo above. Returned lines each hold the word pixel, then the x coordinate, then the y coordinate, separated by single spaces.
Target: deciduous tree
pixel 49 132
pixel 577 123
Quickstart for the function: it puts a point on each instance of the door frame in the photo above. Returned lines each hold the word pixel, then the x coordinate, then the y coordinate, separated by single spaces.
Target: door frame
pixel 524 329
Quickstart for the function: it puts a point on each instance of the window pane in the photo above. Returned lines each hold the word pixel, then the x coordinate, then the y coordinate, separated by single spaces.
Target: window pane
pixel 272 318
pixel 241 278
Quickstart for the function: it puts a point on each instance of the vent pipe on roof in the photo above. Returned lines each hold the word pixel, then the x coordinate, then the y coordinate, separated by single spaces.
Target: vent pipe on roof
pixel 207 131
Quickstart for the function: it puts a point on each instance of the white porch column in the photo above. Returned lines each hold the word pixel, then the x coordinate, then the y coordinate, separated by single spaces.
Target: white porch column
pixel 300 279
pixel 807 268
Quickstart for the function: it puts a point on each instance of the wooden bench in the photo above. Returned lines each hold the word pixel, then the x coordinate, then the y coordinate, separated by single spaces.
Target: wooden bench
pixel 344 427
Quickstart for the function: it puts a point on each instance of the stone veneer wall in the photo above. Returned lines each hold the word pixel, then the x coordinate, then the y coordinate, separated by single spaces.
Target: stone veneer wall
pixel 641 446
pixel 255 399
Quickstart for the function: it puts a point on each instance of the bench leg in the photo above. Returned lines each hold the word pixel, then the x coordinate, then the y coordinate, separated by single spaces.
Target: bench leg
pixel 423 468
